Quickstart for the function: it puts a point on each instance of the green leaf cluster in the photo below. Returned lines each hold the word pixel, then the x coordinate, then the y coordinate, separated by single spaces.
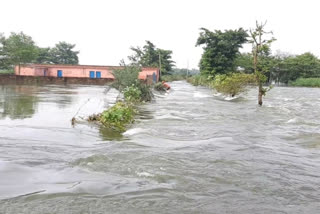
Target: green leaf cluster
pixel 199 79
pixel 306 82
pixel 220 50
pixel 17 49
pixel 150 56
pixel 127 77
pixel 234 83
pixel 118 116
pixel 132 94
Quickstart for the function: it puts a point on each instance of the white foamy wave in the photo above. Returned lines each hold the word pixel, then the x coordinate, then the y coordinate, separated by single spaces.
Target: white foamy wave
pixel 144 174
pixel 230 98
pixel 169 116
pixel 133 131
pixel 200 95
pixel 293 120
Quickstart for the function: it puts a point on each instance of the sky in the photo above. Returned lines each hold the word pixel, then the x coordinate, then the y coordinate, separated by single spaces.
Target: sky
pixel 104 30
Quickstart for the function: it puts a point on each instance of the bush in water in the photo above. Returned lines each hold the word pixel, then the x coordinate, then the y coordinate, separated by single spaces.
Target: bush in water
pixel 233 84
pixel 132 94
pixel 118 116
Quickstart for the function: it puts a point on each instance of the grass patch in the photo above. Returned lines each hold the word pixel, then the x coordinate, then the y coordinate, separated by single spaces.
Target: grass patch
pixel 197 80
pixel 173 77
pixel 7 71
pixel 306 82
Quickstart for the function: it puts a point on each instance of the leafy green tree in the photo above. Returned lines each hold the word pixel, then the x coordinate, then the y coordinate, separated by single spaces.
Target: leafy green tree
pixel 18 49
pixel 44 56
pixel 63 53
pixel 150 56
pixel 243 63
pixel 260 48
pixel 220 50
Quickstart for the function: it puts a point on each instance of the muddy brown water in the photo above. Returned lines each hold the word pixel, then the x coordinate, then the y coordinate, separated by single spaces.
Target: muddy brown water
pixel 190 151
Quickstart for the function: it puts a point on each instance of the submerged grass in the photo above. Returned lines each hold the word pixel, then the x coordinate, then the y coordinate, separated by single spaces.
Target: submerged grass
pixel 306 82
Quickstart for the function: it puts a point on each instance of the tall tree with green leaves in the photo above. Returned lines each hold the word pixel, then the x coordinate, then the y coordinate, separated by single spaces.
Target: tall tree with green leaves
pixel 18 49
pixel 220 50
pixel 63 53
pixel 150 56
pixel 44 56
pixel 260 46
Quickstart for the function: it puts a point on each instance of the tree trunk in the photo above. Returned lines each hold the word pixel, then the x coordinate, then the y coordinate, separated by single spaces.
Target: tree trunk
pixel 260 94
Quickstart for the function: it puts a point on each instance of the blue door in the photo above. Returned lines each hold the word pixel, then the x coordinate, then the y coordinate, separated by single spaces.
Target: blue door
pixel 98 74
pixel 59 73
pixel 91 74
pixel 154 77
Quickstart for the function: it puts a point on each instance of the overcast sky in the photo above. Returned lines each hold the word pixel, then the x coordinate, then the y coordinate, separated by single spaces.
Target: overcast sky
pixel 104 30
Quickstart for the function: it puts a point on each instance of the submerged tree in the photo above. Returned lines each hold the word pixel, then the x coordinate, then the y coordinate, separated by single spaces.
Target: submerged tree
pixel 260 46
pixel 220 50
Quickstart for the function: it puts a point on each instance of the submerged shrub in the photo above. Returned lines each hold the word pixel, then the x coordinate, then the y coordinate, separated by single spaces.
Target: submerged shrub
pixel 132 94
pixel 159 87
pixel 197 80
pixel 233 84
pixel 146 93
pixel 125 77
pixel 118 116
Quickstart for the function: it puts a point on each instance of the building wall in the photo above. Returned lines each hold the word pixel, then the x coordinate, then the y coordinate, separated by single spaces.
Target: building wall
pixel 77 71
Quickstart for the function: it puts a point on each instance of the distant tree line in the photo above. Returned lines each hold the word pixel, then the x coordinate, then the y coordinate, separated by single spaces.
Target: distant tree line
pixel 222 55
pixel 283 67
pixel 19 48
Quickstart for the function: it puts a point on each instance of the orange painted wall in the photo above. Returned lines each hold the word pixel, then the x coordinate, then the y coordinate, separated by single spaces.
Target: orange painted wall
pixel 77 71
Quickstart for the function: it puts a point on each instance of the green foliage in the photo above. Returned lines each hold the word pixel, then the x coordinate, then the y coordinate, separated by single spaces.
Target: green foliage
pixel 128 77
pixel 220 50
pixel 146 93
pixel 150 56
pixel 260 51
pixel 306 82
pixel 291 68
pixel 17 49
pixel 44 56
pixel 132 94
pixel 243 62
pixel 125 77
pixel 7 71
pixel 234 83
pixel 62 53
pixel 200 80
pixel 173 77
pixel 159 87
pixel 118 116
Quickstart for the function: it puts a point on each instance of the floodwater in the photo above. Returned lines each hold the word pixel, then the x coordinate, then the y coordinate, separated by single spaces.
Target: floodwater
pixel 190 151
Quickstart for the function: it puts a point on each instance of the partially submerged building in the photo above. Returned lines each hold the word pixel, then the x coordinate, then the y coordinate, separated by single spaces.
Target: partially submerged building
pixel 81 71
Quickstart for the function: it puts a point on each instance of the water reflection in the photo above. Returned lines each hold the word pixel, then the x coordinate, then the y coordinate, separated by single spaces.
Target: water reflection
pixel 18 102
